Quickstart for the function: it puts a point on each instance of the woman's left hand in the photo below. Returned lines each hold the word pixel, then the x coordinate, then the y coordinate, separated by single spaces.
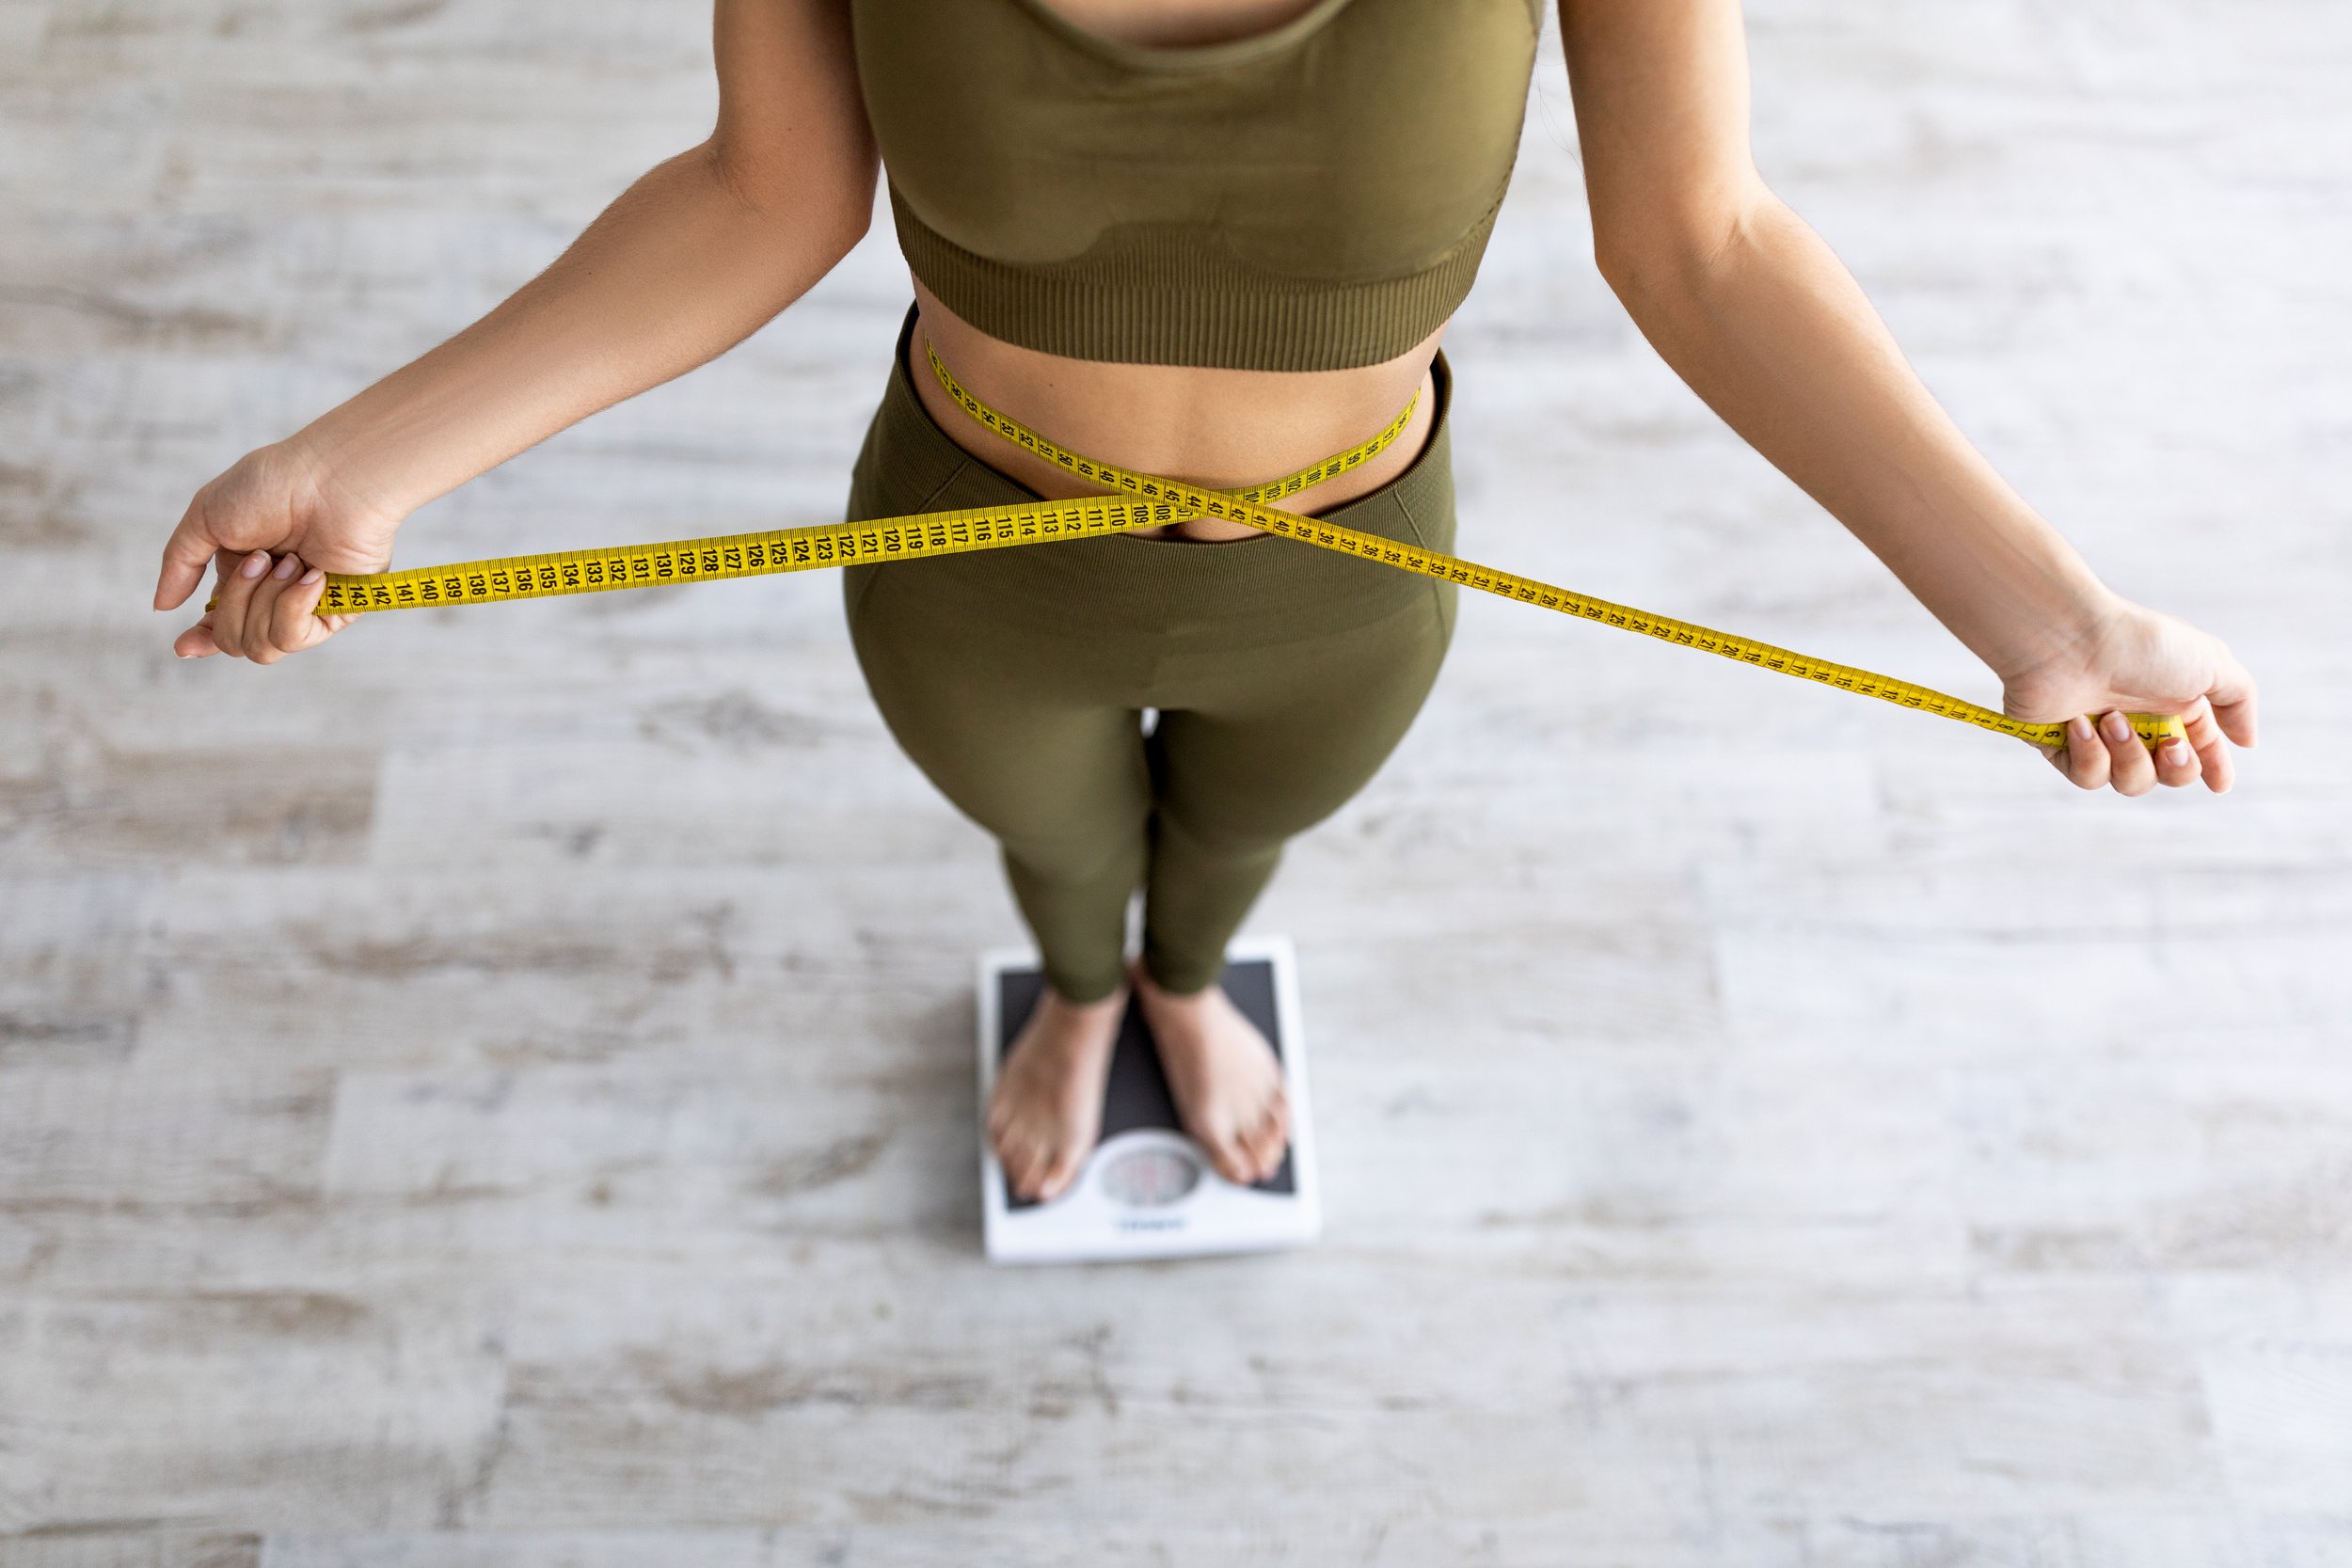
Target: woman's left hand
pixel 2140 661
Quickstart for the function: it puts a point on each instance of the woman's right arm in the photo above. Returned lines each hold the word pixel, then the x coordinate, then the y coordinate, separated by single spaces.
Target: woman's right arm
pixel 690 261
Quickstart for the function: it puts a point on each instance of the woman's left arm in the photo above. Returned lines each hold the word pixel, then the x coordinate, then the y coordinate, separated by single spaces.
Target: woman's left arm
pixel 1754 311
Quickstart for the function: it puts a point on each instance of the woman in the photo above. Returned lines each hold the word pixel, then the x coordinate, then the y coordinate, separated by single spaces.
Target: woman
pixel 1217 240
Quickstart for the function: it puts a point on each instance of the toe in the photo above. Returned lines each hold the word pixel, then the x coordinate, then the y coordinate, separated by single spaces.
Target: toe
pixel 1231 1161
pixel 1265 1151
pixel 1020 1167
pixel 1267 1146
pixel 1041 1172
pixel 1059 1172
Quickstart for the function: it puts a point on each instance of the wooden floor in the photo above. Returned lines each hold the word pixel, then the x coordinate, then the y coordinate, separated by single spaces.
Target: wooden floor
pixel 496 1092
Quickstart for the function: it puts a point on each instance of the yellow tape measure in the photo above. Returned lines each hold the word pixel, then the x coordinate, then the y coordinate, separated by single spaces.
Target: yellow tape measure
pixel 1141 501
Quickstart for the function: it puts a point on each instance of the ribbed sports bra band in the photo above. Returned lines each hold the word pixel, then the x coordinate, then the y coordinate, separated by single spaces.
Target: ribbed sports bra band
pixel 1317 196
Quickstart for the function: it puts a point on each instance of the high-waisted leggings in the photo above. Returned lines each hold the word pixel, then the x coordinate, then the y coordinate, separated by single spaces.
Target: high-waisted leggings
pixel 1017 680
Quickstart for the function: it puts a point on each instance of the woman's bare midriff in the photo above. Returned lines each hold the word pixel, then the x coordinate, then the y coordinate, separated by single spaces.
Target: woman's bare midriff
pixel 1216 428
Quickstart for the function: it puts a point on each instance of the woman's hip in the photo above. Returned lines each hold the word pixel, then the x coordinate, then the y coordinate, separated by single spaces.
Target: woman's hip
pixel 1168 595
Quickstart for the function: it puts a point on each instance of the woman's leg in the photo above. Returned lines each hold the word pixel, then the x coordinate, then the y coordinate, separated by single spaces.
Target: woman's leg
pixel 1273 741
pixel 1025 720
pixel 1036 749
pixel 1056 771
pixel 1030 725
pixel 1263 733
pixel 1277 741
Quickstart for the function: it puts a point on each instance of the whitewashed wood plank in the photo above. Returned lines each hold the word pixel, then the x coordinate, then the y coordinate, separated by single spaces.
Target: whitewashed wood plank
pixel 349 1412
pixel 2275 1348
pixel 135 1544
pixel 92 1137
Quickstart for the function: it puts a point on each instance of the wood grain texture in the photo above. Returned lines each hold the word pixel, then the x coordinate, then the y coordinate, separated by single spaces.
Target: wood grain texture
pixel 496 1092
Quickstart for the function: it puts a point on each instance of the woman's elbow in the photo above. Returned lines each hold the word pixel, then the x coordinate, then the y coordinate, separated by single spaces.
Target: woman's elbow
pixel 826 200
pixel 1663 247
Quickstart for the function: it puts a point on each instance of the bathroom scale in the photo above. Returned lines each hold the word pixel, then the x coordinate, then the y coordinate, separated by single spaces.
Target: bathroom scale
pixel 1146 1190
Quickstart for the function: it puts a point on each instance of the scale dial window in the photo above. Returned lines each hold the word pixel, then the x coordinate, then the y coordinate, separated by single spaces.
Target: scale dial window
pixel 1150 1178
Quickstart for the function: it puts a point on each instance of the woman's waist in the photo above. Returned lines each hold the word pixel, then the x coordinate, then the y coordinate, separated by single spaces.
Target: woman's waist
pixel 1219 429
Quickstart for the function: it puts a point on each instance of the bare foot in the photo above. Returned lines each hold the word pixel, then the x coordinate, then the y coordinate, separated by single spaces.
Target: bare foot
pixel 1226 1079
pixel 1046 1111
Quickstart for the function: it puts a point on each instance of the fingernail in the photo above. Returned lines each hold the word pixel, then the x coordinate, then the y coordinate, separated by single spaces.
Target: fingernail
pixel 2117 726
pixel 311 576
pixel 255 564
pixel 286 568
pixel 2078 727
pixel 2176 752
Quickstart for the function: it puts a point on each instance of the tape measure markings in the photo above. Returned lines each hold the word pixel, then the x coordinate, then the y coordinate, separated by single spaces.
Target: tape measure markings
pixel 918 535
pixel 1143 500
pixel 1232 507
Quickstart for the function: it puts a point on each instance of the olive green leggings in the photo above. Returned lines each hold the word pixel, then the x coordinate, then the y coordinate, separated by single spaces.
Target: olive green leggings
pixel 1017 680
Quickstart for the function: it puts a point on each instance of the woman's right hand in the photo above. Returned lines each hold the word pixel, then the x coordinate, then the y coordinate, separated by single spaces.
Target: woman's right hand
pixel 271 526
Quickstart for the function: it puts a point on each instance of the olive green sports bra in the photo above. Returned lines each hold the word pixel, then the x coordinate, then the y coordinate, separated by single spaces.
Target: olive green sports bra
pixel 1313 197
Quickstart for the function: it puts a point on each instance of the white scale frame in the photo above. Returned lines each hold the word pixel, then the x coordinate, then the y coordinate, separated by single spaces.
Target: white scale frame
pixel 1150 1191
